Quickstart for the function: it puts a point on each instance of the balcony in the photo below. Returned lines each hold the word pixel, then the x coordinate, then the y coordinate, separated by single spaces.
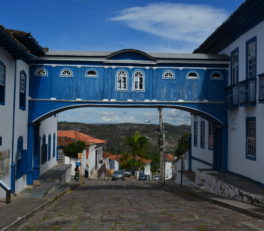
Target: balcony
pixel 243 93
pixel 232 98
pixel 261 88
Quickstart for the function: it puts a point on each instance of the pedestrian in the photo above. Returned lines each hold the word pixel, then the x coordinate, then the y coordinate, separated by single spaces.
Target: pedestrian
pixel 77 173
pixel 86 171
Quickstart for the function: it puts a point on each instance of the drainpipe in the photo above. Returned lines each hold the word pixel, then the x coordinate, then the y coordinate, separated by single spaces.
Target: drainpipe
pixel 12 175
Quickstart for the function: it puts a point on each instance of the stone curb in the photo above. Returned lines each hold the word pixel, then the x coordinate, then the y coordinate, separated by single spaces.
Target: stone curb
pixel 24 218
pixel 210 198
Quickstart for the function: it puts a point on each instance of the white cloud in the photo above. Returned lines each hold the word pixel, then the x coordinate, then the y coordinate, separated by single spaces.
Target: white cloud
pixel 182 22
pixel 124 115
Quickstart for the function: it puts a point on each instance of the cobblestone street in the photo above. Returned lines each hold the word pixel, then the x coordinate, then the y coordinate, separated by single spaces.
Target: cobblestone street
pixel 131 205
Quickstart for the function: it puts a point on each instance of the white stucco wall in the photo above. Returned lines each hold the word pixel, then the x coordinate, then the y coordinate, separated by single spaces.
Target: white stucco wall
pixel 203 154
pixel 147 170
pixel 7 112
pixel 237 161
pixel 48 127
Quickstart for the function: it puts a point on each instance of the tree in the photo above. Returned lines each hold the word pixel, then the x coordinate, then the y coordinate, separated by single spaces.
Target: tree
pixel 136 144
pixel 183 145
pixel 74 148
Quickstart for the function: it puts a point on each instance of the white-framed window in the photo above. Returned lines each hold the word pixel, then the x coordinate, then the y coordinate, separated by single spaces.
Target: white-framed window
pixel 121 80
pixel 251 149
pixel 251 47
pixel 22 90
pixel 192 75
pixel 216 75
pixel 195 133
pixel 168 75
pixel 210 136
pixel 91 73
pixel 234 67
pixel 138 81
pixel 41 71
pixel 66 72
pixel 2 83
pixel 202 134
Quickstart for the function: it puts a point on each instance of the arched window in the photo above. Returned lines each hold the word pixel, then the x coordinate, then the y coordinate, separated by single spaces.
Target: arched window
pixel 138 80
pixel 19 158
pixel 192 75
pixel 168 75
pixel 49 147
pixel 91 74
pixel 2 83
pixel 43 150
pixel 41 71
pixel 66 72
pixel 216 75
pixel 22 90
pixel 54 145
pixel 121 80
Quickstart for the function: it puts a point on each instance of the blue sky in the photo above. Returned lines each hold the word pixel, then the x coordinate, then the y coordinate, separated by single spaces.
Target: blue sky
pixel 110 25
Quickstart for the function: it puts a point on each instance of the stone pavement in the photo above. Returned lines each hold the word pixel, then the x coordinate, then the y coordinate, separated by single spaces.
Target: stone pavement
pixel 102 205
pixel 31 200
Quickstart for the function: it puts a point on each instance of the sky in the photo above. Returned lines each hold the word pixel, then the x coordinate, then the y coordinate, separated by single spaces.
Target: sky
pixel 177 26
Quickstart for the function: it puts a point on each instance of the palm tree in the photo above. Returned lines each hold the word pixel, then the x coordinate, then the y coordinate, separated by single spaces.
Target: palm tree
pixel 136 144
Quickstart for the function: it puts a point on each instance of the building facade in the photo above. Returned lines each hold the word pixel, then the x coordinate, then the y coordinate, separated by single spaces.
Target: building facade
pixel 221 84
pixel 244 92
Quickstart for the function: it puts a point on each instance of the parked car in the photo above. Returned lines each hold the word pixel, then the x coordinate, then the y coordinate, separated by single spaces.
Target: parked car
pixel 142 177
pixel 119 174
pixel 128 173
pixel 156 177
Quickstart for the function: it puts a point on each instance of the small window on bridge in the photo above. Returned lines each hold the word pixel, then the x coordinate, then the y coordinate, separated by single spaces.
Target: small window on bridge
pixel 66 72
pixel 192 75
pixel 168 75
pixel 138 81
pixel 216 75
pixel 91 74
pixel 121 80
pixel 41 72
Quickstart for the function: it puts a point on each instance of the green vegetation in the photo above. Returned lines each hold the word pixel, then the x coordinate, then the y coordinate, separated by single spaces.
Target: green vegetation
pixel 183 145
pixel 136 149
pixel 136 144
pixel 74 148
pixel 116 134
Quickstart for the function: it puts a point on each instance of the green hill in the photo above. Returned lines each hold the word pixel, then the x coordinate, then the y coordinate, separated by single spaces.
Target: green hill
pixel 116 133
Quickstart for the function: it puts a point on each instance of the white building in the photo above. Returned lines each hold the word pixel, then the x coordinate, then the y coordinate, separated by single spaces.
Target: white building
pixel 91 156
pixel 15 54
pixel 241 37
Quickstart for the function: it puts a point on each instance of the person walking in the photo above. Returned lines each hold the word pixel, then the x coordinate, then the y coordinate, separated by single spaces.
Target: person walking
pixel 86 170
pixel 77 173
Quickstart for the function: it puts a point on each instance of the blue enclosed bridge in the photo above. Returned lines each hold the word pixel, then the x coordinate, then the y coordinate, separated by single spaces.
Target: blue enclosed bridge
pixel 63 80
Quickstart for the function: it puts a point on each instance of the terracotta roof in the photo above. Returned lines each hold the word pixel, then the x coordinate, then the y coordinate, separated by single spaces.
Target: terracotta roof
pixel 143 160
pixel 20 44
pixel 28 41
pixel 111 156
pixel 169 157
pixel 75 135
pixel 64 141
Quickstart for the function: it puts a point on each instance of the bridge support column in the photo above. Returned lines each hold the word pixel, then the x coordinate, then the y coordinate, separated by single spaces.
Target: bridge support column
pixel 220 148
pixel 30 153
pixel 36 153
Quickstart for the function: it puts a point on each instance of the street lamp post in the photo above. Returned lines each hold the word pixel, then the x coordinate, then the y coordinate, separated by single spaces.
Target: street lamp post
pixel 161 147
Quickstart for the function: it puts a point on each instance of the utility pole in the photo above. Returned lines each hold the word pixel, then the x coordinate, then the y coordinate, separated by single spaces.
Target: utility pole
pixel 161 147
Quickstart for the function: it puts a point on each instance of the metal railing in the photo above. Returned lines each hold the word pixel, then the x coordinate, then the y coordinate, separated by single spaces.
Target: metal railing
pixel 242 93
pixel 232 95
pixel 261 87
pixel 7 190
